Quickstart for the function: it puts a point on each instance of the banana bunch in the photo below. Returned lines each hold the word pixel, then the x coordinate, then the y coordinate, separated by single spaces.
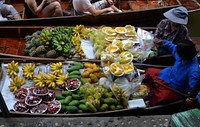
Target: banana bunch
pixel 28 70
pixel 40 79
pixel 12 69
pixel 82 31
pixel 56 68
pixel 46 36
pixel 118 91
pixel 51 81
pixel 16 83
pixel 61 41
pixel 61 80
pixel 76 41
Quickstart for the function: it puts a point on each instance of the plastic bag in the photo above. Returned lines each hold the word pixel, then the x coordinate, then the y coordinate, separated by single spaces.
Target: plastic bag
pixel 105 82
pixel 121 88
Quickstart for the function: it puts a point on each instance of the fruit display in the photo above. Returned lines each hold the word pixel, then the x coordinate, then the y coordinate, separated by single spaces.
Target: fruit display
pixel 68 87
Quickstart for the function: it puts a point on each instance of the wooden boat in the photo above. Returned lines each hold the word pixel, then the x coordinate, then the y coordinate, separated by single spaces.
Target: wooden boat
pixel 12 44
pixel 136 111
pixel 135 12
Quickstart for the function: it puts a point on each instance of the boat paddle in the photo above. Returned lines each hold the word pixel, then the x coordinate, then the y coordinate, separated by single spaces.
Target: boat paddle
pixel 168 87
pixel 193 93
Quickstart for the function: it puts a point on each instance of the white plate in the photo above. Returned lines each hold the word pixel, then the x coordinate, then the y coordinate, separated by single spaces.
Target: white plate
pixel 54 104
pixel 121 30
pixel 40 106
pixel 110 38
pixel 39 100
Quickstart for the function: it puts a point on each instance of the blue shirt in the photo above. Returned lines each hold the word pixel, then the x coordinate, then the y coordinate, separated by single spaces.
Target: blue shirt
pixel 182 76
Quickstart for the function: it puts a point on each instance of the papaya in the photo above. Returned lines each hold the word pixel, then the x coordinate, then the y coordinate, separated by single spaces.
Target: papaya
pixel 63 107
pixel 93 78
pixel 83 107
pixel 119 107
pixel 110 101
pixel 73 68
pixel 59 97
pixel 76 96
pixel 90 70
pixel 78 64
pixel 72 109
pixel 87 65
pixel 74 103
pixel 62 101
pixel 74 76
pixel 83 101
pixel 66 93
pixel 85 74
pixel 67 100
pixel 75 73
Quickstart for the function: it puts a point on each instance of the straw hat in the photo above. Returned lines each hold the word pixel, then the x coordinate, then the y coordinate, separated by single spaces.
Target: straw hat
pixel 178 15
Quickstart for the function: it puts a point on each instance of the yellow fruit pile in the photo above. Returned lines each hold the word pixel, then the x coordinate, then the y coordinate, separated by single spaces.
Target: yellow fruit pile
pixel 92 72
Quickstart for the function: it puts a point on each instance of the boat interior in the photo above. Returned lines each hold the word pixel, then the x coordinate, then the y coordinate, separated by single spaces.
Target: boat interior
pixel 12 40
pixel 124 5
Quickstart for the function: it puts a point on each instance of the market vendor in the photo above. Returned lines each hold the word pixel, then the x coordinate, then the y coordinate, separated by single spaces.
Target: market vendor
pixel 181 77
pixel 172 28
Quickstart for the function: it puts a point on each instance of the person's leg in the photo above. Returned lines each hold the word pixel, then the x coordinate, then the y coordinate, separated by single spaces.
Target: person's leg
pixel 99 4
pixel 10 10
pixel 53 9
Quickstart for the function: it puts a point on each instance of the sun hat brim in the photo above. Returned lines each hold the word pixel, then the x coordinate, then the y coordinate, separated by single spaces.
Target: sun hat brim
pixel 174 16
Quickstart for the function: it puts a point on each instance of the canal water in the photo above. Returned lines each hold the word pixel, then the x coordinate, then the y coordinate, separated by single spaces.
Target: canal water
pixel 194 23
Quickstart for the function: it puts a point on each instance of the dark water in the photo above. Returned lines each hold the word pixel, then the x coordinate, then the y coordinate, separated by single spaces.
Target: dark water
pixel 194 24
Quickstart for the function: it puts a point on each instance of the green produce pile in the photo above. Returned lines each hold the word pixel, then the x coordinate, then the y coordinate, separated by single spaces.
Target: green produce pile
pixel 90 98
pixel 58 42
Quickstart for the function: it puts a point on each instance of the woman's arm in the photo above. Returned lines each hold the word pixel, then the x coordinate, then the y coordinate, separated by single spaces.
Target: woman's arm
pixel 95 12
pixel 33 6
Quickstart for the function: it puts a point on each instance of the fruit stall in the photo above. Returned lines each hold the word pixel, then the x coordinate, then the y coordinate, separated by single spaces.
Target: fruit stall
pixel 91 72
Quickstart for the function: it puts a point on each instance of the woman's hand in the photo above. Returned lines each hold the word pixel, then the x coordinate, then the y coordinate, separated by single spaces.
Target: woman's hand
pixel 191 101
pixel 157 41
